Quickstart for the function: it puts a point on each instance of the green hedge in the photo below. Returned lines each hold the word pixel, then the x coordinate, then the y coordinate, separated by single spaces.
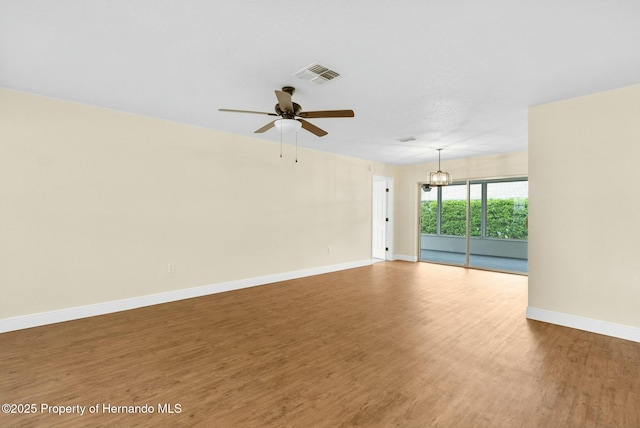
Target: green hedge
pixel 506 218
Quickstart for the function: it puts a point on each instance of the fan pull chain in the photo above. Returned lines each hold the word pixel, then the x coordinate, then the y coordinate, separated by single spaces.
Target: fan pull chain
pixel 296 147
pixel 280 143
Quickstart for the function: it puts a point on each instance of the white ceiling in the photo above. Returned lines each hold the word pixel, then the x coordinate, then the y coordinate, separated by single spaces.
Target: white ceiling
pixel 454 74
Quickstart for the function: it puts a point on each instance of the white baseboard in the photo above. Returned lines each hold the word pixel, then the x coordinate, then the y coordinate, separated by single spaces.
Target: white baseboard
pixel 587 324
pixel 78 312
pixel 405 258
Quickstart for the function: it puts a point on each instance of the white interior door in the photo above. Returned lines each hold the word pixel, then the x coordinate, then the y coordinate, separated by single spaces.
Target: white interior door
pixel 379 221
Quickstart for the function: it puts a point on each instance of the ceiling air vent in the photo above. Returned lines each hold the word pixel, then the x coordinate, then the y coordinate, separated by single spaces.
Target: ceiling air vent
pixel 406 139
pixel 317 74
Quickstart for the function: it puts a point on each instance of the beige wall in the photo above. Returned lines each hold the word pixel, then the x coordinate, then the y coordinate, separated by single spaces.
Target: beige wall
pixel 96 203
pixel 407 193
pixel 584 206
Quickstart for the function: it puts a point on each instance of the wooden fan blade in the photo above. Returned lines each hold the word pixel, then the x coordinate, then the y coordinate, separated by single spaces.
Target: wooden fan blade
pixel 326 113
pixel 284 99
pixel 247 111
pixel 265 128
pixel 312 128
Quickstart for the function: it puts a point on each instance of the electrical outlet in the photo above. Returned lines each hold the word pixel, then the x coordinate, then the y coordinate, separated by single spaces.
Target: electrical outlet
pixel 171 268
pixel 328 250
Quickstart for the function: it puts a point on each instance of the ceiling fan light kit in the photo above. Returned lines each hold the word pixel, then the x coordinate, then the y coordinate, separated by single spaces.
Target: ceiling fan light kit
pixel 287 126
pixel 440 178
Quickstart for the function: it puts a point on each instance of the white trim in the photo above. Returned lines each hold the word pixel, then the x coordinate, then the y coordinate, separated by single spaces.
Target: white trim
pixel 587 324
pixel 405 258
pixel 78 312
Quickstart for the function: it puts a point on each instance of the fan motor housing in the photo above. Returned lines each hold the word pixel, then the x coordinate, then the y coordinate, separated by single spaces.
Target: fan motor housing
pixel 287 114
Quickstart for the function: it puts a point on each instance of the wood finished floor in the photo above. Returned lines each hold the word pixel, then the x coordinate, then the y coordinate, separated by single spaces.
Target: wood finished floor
pixel 390 345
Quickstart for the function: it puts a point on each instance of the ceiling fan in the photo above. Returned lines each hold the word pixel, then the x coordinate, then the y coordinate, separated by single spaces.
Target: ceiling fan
pixel 287 109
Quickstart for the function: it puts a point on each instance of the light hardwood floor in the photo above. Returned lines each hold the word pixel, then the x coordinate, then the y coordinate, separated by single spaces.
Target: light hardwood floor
pixel 395 344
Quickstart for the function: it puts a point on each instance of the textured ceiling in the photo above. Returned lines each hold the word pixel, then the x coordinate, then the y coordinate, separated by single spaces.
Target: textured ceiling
pixel 453 74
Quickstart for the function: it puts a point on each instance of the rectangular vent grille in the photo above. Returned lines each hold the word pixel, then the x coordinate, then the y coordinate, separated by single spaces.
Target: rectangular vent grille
pixel 317 74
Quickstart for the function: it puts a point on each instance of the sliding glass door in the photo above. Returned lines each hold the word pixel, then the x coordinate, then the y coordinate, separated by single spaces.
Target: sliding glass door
pixel 444 224
pixel 503 243
pixel 480 224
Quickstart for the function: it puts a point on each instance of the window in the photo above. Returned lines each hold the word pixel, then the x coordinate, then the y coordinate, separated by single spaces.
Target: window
pixel 507 210
pixel 429 212
pixel 498 209
pixel 475 217
pixel 453 215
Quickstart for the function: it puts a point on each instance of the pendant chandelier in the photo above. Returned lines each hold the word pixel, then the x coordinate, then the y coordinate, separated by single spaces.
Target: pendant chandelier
pixel 440 178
